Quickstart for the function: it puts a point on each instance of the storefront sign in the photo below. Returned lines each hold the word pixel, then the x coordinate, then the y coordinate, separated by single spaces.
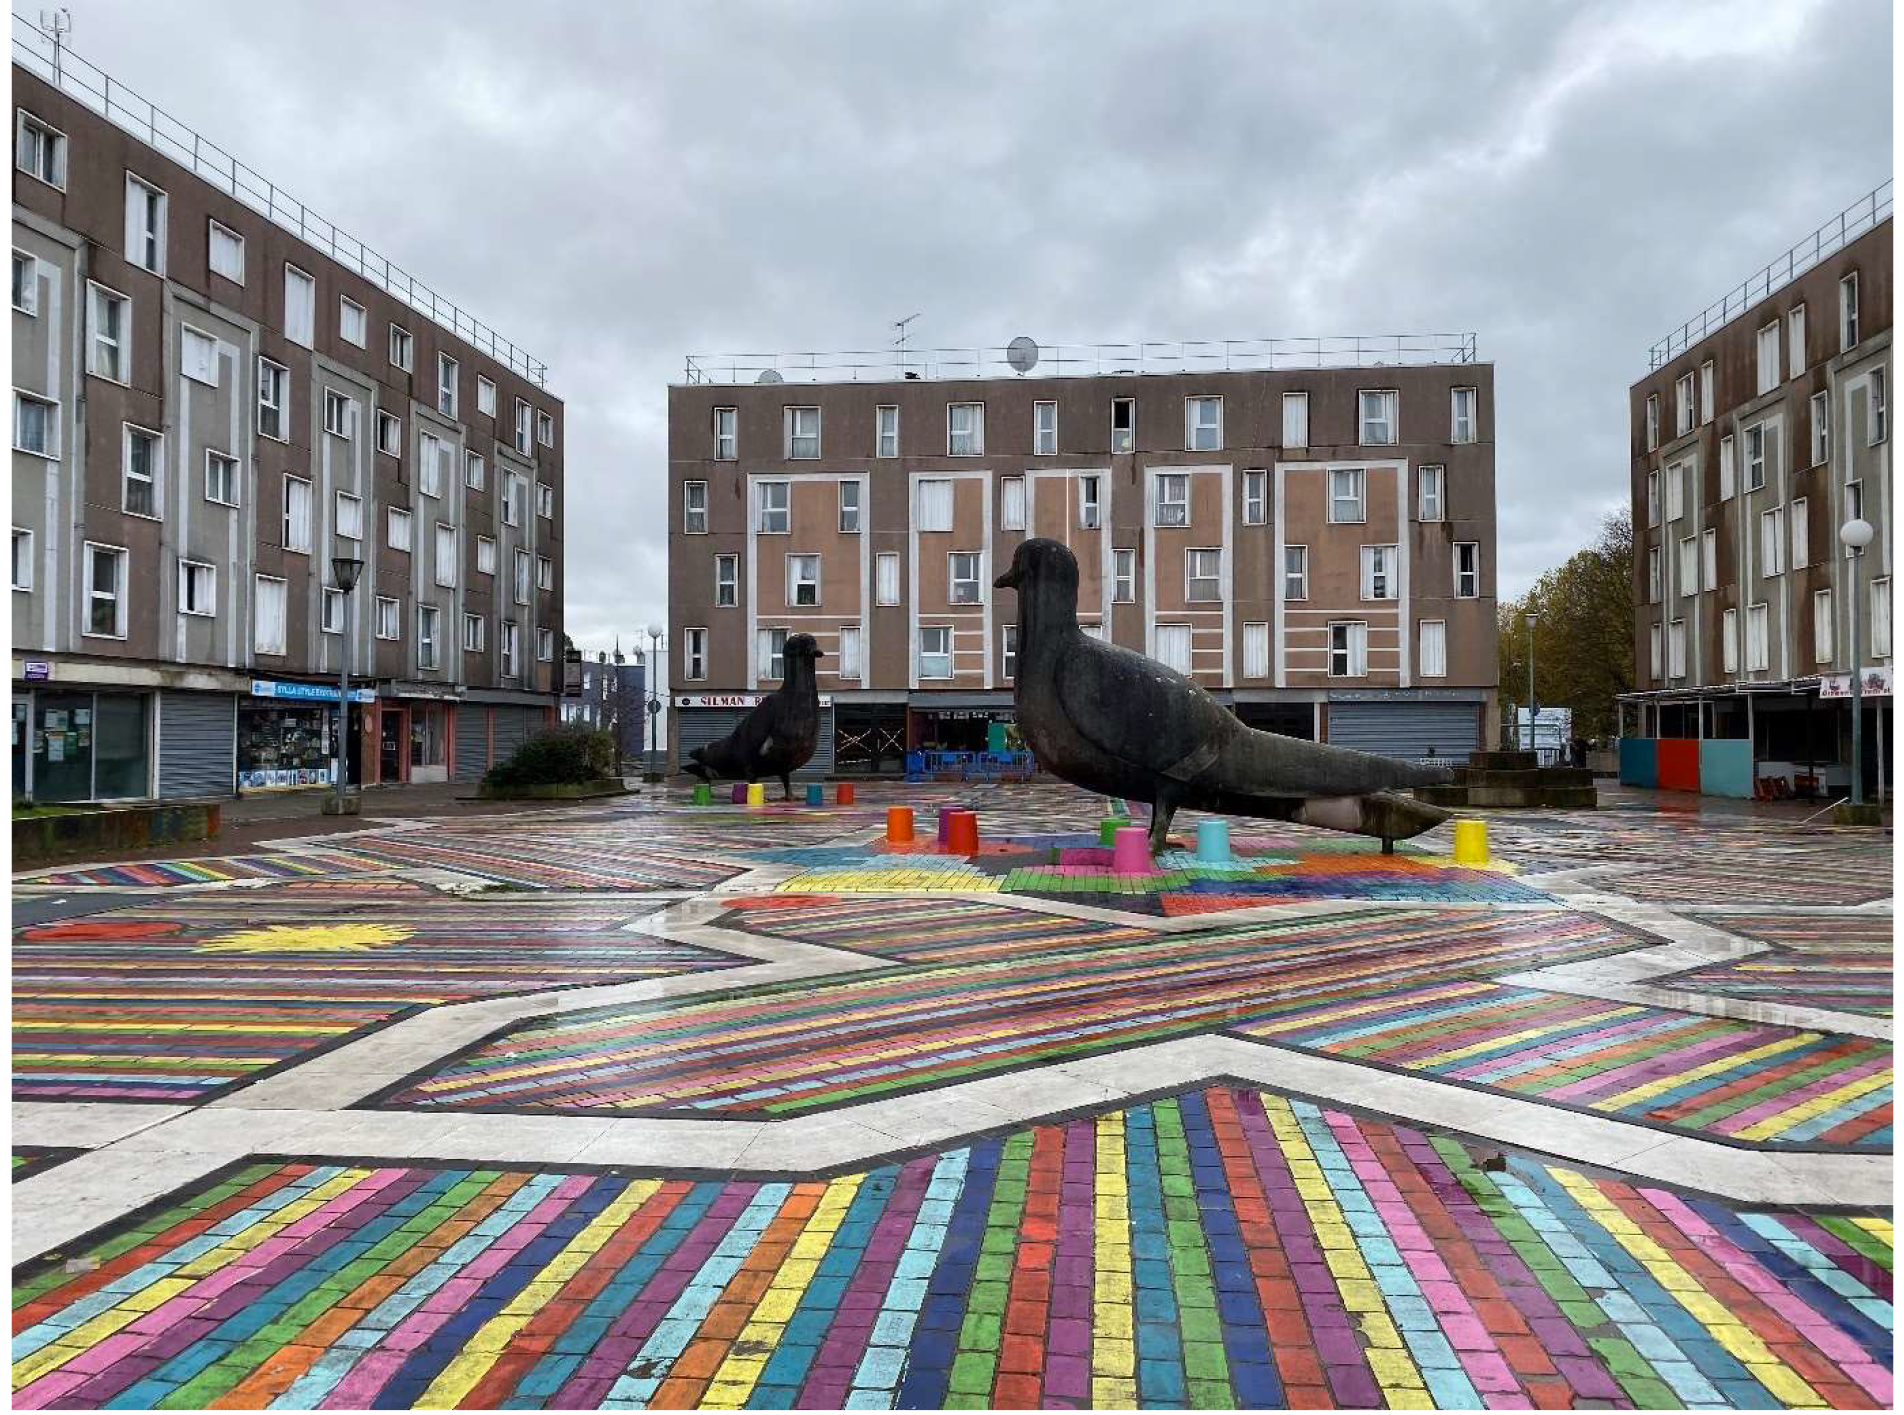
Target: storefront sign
pixel 38 670
pixel 730 700
pixel 307 692
pixel 1874 683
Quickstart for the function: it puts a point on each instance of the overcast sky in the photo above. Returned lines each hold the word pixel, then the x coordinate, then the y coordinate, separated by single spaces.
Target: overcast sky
pixel 614 186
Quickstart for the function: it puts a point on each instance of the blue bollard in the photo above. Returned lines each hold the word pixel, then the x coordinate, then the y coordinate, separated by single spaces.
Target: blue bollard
pixel 816 794
pixel 1213 842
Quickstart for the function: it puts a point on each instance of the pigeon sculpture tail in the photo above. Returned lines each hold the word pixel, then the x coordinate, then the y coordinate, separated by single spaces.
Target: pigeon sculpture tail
pixel 1120 724
pixel 778 737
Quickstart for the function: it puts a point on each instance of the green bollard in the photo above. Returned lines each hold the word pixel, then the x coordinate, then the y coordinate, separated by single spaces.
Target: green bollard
pixel 703 794
pixel 1107 829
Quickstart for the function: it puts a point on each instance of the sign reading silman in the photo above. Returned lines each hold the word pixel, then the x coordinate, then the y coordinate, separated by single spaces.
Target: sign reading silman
pixel 730 700
pixel 1873 683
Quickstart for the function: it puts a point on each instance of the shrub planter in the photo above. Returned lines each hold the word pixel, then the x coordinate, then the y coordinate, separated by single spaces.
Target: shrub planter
pixel 575 791
pixel 98 834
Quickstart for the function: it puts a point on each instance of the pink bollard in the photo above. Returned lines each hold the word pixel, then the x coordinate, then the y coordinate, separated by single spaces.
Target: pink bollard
pixel 1130 852
pixel 945 818
pixel 740 793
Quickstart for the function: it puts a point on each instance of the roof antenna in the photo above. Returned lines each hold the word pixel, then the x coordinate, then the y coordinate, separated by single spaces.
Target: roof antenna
pixel 59 24
pixel 899 340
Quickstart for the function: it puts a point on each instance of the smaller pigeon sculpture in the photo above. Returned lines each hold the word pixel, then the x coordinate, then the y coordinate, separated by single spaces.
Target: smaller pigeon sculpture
pixel 778 737
pixel 1120 724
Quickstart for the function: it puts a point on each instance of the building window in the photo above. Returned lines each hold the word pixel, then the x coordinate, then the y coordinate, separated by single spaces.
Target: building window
pixel 402 348
pixel 523 443
pixel 1848 312
pixel 1008 655
pixel 197 588
pixel 297 515
pixel 110 349
pixel 485 395
pixel 1295 419
pixel 1682 405
pixel 1377 416
pixel 1755 457
pixel 935 505
pixel 886 430
pixel 330 614
pixel 26 283
pixel 1652 498
pixel 1772 541
pixel 300 306
pixel 1758 640
pixel 773 653
pixel 1011 503
pixel 512 490
pixel 226 250
pixel 1795 341
pixel 1378 572
pixel 1202 424
pixel 1345 496
pixel 1203 576
pixel 353 323
pixel 1295 572
pixel 886 578
pixel 390 438
pixel 1821 625
pixel 776 516
pixel 962 576
pixel 803 582
pixel 269 599
pixel 40 150
pixel 1467 569
pixel 1461 405
pixel 273 381
pixel 1123 576
pixel 965 429
pixel 545 645
pixel 803 432
pixel 198 356
pixel 1348 649
pixel 1768 357
pixel 1173 647
pixel 1256 650
pixel 350 516
pixel 1820 429
pixel 1428 485
pixel 726 581
pixel 1881 618
pixel 511 649
pixel 1709 559
pixel 432 461
pixel 1255 498
pixel 485 555
pixel 1652 422
pixel 445 566
pixel 1879 411
pixel 1431 657
pixel 336 413
pixel 140 463
pixel 221 478
pixel 1676 491
pixel 1123 424
pixel 1676 649
pixel 446 385
pixel 545 428
pixel 935 653
pixel 35 425
pixel 1729 640
pixel 1801 533
pixel 697 655
pixel 1653 580
pixel 472 471
pixel 1044 428
pixel 545 573
pixel 1728 468
pixel 397 528
pixel 849 651
pixel 389 625
pixel 1706 392
pixel 694 508
pixel 22 559
pixel 1688 565
pixel 474 634
pixel 1090 506
pixel 849 507
pixel 145 225
pixel 1654 661
pixel 1173 499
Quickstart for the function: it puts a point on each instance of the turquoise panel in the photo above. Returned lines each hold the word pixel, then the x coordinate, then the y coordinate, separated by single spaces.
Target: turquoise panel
pixel 1725 767
pixel 1639 761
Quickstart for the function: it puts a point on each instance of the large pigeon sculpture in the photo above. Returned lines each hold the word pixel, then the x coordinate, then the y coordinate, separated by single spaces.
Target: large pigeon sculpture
pixel 1121 724
pixel 778 737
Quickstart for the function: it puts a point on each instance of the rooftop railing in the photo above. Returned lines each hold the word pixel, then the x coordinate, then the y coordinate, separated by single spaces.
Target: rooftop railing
pixel 1863 214
pixel 36 51
pixel 1082 360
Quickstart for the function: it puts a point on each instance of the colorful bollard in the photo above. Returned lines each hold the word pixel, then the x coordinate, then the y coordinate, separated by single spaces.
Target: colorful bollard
pixel 843 795
pixel 1470 843
pixel 962 833
pixel 1108 827
pixel 945 814
pixel 816 794
pixel 1213 842
pixel 899 825
pixel 756 793
pixel 703 794
pixel 740 793
pixel 1130 852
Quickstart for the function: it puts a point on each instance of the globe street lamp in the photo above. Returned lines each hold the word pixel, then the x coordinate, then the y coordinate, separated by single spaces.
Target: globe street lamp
pixel 654 698
pixel 344 572
pixel 1856 535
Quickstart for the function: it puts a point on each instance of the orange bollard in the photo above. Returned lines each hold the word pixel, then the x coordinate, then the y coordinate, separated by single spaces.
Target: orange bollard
pixel 961 833
pixel 844 795
pixel 898 825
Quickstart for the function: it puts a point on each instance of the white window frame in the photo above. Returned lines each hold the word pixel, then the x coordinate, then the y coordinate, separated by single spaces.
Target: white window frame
pixel 1430 492
pixel 486 395
pixel 1682 404
pixel 1123 575
pixel 475 633
pixel 694 517
pixel 1124 439
pixel 1709 559
pixel 545 645
pixel 936 494
pixel 1758 638
pixel 296 535
pixel 524 438
pixel 886 579
pixel 154 482
pixel 1821 626
pixel 429 636
pixel 1881 617
pixel 795 439
pixel 521 571
pixel 1798 519
pixel 448 392
pixel 1381 566
pixel 513 487
pixel 1203 433
pixel 200 366
pixel 545 572
pixel 766 513
pixel 1011 503
pixel 1707 374
pixel 1729 640
pixel 1772 542
pixel 390 436
pixel 772 646
pixel 1356 480
pixel 1463 420
pixel 485 555
pixel 300 319
pixel 545 427
pixel 1256 649
pixel 1382 427
pixel 1255 498
pixel 1655 652
pixel 1354 649
pixel 347 514
pixel 1655 581
pixel 1652 498
pixel 1820 428
pixel 1675 492
pixel 1044 433
pixel 447 558
pixel 98 298
pixel 1795 361
pixel 473 472
pixel 975 563
pixel 387 623
pixel 22 569
pixel 852 513
pixel 934 656
pixel 1688 565
pixel 886 430
pixel 1877 407
pixel 1676 649
pixel 49 142
pixel 1652 422
pixel 1090 501
pixel 1472 575
pixel 1728 467
pixel 157 204
pixel 1175 646
pixel 1212 576
pixel 1431 654
pixel 399 529
pixel 1767 357
pixel 188 570
pixel 1295 420
pixel 1007 652
pixel 1848 331
pixel 968 441
pixel 402 348
pixel 340 404
pixel 26 290
pixel 1295 571
pixel 727 582
pixel 274 379
pixel 352 316
pixel 803 580
pixel 215 232
pixel 1755 462
pixel 696 665
pixel 331 611
pixel 51 451
pixel 1173 500
pixel 275 648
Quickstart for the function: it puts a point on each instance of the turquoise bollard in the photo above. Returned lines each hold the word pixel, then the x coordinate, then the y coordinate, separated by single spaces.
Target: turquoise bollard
pixel 816 794
pixel 1213 842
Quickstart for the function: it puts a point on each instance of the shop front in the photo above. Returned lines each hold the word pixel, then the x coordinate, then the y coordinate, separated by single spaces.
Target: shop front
pixel 415 733
pixel 286 731
pixel 963 722
pixel 701 718
pixel 82 746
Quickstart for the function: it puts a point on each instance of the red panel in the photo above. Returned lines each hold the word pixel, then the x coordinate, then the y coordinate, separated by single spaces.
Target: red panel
pixel 1679 763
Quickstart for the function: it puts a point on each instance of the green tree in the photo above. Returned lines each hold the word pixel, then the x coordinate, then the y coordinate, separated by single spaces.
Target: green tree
pixel 1583 632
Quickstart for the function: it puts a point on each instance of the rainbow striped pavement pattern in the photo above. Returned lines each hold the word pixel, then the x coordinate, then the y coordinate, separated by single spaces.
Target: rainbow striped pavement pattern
pixel 581 857
pixel 1857 980
pixel 180 1000
pixel 923 930
pixel 1220 1248
pixel 227 869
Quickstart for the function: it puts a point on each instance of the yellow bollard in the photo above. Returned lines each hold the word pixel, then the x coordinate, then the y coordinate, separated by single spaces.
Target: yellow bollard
pixel 757 796
pixel 1470 843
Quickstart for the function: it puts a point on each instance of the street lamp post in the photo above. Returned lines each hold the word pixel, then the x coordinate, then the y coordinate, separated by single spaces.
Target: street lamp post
pixel 344 570
pixel 1533 705
pixel 1856 535
pixel 653 705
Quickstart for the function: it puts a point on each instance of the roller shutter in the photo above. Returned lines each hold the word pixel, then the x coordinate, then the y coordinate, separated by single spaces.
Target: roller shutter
pixel 1410 731
pixel 197 745
pixel 516 725
pixel 699 726
pixel 472 741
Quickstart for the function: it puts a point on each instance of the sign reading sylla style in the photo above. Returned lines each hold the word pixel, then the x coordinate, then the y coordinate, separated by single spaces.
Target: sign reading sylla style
pixel 307 692
pixel 730 700
pixel 1873 683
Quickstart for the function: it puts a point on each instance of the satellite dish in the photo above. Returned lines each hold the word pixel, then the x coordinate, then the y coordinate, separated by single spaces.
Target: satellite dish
pixel 1022 354
pixel 770 375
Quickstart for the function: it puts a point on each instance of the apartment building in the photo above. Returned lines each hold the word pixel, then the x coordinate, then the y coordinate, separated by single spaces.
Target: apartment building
pixel 215 394
pixel 1764 427
pixel 1310 538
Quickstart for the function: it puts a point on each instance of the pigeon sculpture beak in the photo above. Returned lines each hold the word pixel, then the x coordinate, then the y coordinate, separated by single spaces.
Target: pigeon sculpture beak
pixel 1007 581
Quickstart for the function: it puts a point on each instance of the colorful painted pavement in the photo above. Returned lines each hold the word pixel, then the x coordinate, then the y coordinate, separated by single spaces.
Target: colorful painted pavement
pixel 1852 981
pixel 922 930
pixel 29 1160
pixel 601 857
pixel 1868 934
pixel 1225 1247
pixel 152 874
pixel 177 1001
